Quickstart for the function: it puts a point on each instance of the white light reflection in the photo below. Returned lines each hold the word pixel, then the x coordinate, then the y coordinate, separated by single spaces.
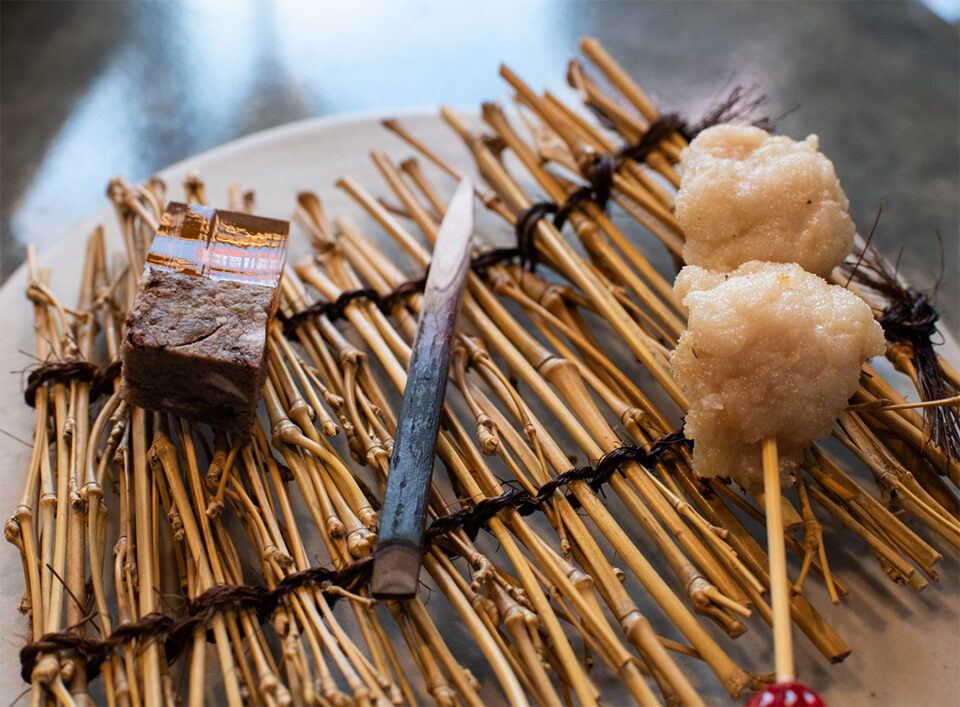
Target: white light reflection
pixel 187 76
pixel 366 54
pixel 99 135
pixel 216 46
pixel 184 83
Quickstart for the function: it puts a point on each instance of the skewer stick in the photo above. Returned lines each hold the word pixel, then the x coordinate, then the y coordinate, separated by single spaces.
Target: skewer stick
pixel 779 585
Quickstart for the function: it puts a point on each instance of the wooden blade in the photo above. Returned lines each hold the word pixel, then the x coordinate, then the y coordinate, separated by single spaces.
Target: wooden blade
pixel 396 567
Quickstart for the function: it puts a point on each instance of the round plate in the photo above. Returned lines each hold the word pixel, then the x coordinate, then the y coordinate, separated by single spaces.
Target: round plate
pixel 905 647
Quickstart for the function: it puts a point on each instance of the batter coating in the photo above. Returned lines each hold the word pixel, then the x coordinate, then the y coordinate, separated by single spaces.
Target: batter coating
pixel 745 195
pixel 769 350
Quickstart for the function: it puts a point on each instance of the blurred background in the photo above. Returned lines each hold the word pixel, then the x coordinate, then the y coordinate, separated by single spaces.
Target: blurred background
pixel 93 89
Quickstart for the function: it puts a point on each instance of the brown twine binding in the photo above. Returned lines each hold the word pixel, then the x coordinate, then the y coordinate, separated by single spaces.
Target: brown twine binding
pixel 740 103
pixel 411 287
pixel 909 318
pixel 473 519
pixel 197 615
pixel 68 371
pixel 104 383
pixel 337 308
pixel 525 229
pixel 599 189
pixel 199 611
pixel 332 310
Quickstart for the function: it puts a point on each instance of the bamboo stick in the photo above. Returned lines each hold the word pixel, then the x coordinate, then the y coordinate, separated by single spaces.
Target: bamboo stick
pixel 779 584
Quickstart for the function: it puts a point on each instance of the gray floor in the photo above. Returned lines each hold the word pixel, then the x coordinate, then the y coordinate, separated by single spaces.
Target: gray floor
pixel 89 90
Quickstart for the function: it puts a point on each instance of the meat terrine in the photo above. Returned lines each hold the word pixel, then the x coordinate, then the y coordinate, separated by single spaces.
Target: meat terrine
pixel 195 339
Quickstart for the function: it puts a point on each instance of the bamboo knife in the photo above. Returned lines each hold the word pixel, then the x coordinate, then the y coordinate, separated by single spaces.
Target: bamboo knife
pixel 396 564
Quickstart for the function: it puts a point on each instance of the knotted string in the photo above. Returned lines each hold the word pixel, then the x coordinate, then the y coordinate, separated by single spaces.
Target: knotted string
pixel 909 319
pixel 198 612
pixel 71 370
pixel 336 309
pixel 738 104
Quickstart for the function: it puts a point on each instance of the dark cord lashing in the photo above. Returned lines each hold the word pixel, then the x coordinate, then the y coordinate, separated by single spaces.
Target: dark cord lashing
pixel 739 104
pixel 910 320
pixel 198 612
pixel 69 370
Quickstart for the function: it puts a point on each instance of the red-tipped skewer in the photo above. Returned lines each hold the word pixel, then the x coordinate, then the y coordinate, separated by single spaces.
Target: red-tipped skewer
pixel 785 692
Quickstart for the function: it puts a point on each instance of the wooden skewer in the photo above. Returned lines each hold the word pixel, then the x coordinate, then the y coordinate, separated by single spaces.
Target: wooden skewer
pixel 779 584
pixel 785 690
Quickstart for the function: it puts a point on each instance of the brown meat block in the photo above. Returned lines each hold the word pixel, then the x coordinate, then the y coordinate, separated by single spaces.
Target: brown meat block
pixel 195 340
